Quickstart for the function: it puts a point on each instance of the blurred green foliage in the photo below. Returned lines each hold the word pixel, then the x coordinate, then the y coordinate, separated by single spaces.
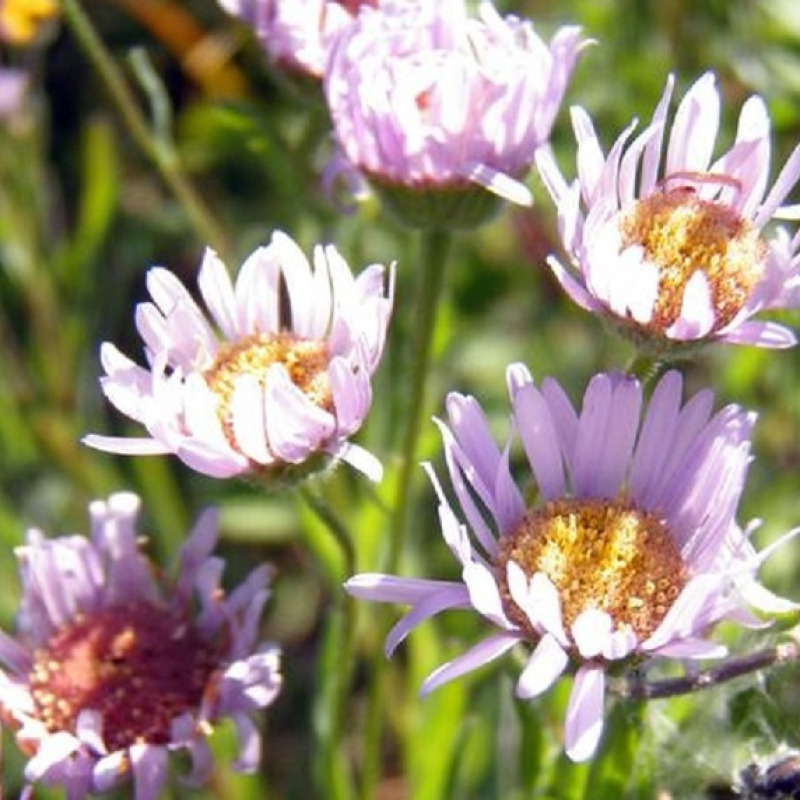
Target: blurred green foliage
pixel 84 213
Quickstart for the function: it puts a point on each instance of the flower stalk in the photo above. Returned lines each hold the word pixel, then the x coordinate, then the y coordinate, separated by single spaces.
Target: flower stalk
pixel 159 149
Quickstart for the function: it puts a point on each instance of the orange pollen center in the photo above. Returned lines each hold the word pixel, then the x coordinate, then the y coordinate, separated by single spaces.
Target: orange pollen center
pixel 305 360
pixel 599 554
pixel 136 665
pixel 682 233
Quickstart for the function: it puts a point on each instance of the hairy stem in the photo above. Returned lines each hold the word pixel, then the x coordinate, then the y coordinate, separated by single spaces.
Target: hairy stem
pixel 636 687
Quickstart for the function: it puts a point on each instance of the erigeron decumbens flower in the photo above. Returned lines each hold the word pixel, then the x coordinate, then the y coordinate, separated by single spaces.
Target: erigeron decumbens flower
pixel 114 666
pixel 428 99
pixel 668 244
pixel 632 549
pixel 279 388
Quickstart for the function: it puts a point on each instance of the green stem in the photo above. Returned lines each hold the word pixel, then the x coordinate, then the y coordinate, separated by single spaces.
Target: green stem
pixel 334 524
pixel 646 368
pixel 613 771
pixel 435 246
pixel 335 775
pixel 161 154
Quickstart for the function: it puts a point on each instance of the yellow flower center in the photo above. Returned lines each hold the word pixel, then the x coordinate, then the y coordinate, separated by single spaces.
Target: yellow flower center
pixel 20 19
pixel 599 554
pixel 682 234
pixel 137 666
pixel 305 360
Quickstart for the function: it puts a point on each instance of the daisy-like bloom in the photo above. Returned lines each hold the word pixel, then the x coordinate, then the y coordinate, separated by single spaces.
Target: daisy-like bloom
pixel 297 35
pixel 676 255
pixel 282 384
pixel 114 666
pixel 426 98
pixel 20 20
pixel 631 551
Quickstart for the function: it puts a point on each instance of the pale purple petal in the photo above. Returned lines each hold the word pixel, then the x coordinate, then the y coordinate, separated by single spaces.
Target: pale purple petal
pixel 651 160
pixel 149 767
pixel 761 334
pixel 126 445
pixel 478 656
pixel 216 288
pixel 584 723
pixel 697 314
pixel 484 593
pixel 540 440
pixel 407 591
pixel 692 649
pixel 545 665
pixel 591 632
pixel 53 750
pixel 249 754
pixel 424 608
pixel 694 129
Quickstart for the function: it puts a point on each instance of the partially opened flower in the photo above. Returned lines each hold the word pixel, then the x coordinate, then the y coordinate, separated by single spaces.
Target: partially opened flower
pixel 282 384
pixel 297 35
pixel 632 549
pixel 670 246
pixel 429 100
pixel 113 666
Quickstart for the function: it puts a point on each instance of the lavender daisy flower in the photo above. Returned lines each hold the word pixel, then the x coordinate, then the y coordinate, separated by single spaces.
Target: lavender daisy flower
pixel 677 256
pixel 427 99
pixel 632 550
pixel 279 390
pixel 297 35
pixel 114 667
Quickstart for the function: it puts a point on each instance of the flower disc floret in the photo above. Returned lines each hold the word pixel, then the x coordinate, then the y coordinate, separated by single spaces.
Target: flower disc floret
pixel 136 667
pixel 275 387
pixel 670 246
pixel 602 555
pixel 682 235
pixel 631 551
pixel 114 666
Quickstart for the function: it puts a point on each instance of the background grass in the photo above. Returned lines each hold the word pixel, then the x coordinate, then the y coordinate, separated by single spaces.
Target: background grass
pixel 84 213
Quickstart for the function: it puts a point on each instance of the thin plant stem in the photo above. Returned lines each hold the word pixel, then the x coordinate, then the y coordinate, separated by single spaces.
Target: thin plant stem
pixel 160 152
pixel 435 247
pixel 432 262
pixel 636 687
pixel 338 782
pixel 646 368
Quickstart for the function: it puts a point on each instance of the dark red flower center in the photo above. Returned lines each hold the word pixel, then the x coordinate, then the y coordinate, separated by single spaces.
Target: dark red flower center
pixel 137 665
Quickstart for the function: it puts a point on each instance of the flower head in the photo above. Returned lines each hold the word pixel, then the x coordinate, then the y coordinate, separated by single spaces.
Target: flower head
pixel 631 551
pixel 677 256
pixel 297 35
pixel 425 98
pixel 279 389
pixel 114 667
